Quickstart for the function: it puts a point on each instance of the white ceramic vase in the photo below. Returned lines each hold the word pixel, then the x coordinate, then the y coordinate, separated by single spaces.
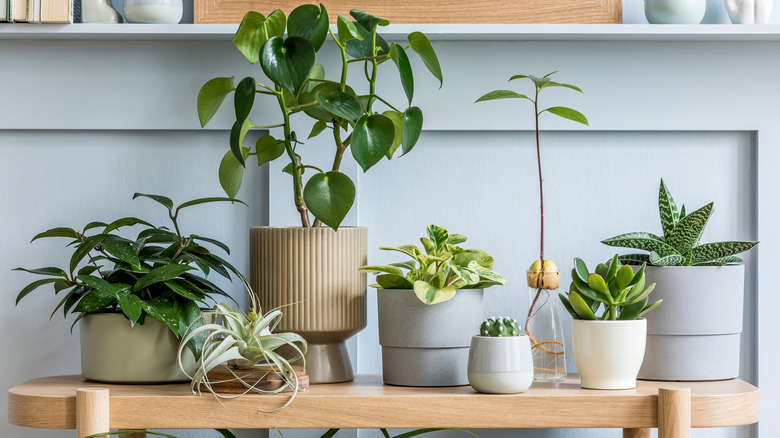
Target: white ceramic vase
pixel 675 11
pixel 749 11
pixel 500 365
pixel 153 11
pixel 608 354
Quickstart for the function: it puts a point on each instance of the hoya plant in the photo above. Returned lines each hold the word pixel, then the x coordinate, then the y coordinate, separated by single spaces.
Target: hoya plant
pixel 440 271
pixel 614 286
pixel 354 113
pixel 160 274
pixel 680 243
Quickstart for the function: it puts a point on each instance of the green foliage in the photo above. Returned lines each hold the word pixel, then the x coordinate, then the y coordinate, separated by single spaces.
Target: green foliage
pixel 299 86
pixel 161 273
pixel 499 327
pixel 438 273
pixel 680 244
pixel 615 286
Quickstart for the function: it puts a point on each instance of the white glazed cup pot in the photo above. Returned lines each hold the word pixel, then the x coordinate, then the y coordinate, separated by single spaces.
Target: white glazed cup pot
pixel 608 354
pixel 500 365
pixel 675 11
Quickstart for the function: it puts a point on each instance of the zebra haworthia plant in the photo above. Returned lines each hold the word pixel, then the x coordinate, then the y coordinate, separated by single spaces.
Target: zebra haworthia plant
pixel 438 273
pixel 680 243
pixel 616 286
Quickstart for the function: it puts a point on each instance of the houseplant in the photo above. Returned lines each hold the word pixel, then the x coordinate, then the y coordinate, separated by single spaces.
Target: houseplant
pixel 323 262
pixel 542 323
pixel 427 315
pixel 703 286
pixel 134 298
pixel 500 358
pixel 608 350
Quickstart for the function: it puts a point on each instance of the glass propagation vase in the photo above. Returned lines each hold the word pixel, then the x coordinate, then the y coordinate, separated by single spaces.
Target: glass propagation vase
pixel 544 330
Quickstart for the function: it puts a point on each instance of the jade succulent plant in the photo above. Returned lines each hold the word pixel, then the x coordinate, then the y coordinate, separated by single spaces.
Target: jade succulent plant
pixel 615 286
pixel 680 244
pixel 499 327
pixel 438 273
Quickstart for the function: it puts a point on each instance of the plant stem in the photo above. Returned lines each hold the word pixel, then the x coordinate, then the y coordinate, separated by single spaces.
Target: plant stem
pixel 340 148
pixel 297 169
pixel 541 186
pixel 372 80
pixel 388 104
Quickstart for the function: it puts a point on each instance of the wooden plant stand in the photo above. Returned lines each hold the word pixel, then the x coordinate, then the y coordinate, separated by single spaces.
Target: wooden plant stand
pixel 70 402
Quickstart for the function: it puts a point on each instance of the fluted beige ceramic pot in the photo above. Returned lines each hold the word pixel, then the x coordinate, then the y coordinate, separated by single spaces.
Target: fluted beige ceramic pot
pixel 313 273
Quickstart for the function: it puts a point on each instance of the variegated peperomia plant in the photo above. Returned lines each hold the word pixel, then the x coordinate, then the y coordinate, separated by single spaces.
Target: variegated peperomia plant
pixel 437 274
pixel 679 245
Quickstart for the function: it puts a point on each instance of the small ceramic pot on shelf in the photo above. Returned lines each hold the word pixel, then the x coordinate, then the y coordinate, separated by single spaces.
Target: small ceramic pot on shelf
pixel 608 354
pixel 675 11
pixel 153 11
pixel 500 365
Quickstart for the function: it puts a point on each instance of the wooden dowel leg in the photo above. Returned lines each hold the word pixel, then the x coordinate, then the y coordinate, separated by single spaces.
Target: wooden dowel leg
pixel 636 433
pixel 91 411
pixel 674 412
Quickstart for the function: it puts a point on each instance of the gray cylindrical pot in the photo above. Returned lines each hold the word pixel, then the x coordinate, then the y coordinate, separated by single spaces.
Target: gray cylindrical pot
pixel 427 345
pixel 112 351
pixel 695 333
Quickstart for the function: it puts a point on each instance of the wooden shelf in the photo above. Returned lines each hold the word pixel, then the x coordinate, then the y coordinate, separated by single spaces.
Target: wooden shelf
pixel 440 32
pixel 365 403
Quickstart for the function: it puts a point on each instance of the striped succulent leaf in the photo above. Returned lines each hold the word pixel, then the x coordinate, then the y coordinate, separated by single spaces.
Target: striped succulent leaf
pixel 670 260
pixel 687 232
pixel 682 211
pixel 634 259
pixel 722 261
pixel 667 210
pixel 643 241
pixel 710 252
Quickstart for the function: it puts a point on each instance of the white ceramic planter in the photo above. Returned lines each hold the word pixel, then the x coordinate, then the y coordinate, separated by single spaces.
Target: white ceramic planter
pixel 675 11
pixel 426 345
pixel 502 365
pixel 608 354
pixel 749 11
pixel 695 333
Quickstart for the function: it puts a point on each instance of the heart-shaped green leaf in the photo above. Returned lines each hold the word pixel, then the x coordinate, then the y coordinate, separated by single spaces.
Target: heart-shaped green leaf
pixel 568 113
pixel 287 62
pixel 366 20
pixel 329 196
pixel 275 24
pixel 341 105
pixel 231 172
pixel 244 98
pixel 310 22
pixel 237 134
pixel 412 128
pixel 346 30
pixel 430 294
pixel 371 139
pixel 210 97
pixel 317 129
pixel 398 54
pixel 363 48
pixel 420 44
pixel 268 149
pixel 398 122
pixel 250 36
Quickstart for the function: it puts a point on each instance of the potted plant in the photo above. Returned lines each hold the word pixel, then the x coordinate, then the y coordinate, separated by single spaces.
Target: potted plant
pixel 542 323
pixel 500 358
pixel 708 277
pixel 135 297
pixel 427 315
pixel 608 349
pixel 312 268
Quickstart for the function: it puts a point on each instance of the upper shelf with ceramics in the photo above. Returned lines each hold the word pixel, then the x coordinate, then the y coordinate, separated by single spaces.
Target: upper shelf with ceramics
pixel 440 32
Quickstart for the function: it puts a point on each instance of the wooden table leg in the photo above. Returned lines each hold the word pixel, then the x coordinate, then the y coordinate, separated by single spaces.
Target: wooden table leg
pixel 674 412
pixel 91 411
pixel 636 433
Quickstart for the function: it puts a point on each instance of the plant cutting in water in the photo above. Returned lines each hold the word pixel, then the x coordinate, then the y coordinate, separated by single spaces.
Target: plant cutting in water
pixel 437 274
pixel 298 85
pixel 615 286
pixel 543 274
pixel 680 244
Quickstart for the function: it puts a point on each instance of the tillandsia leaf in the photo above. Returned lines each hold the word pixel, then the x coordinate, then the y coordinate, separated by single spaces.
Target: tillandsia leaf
pixel 237 134
pixel 667 209
pixel 211 96
pixel 368 21
pixel 420 44
pixel 251 35
pixel 568 113
pixel 580 307
pixel 394 282
pixel 644 241
pixel 412 128
pixel 288 62
pixel 310 22
pixel 346 30
pixel 231 172
pixel 688 231
pixel 371 139
pixel 401 60
pixel 567 306
pixel 393 270
pixel 244 98
pixel 363 48
pixel 268 149
pixel 502 94
pixel 634 259
pixel 398 122
pixel 712 251
pixel 430 294
pixel 329 196
pixel 341 105
pixel 721 261
pixel 670 260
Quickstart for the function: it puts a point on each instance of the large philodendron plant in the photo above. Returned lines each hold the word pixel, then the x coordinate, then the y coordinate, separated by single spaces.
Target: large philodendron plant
pixel 680 244
pixel 299 85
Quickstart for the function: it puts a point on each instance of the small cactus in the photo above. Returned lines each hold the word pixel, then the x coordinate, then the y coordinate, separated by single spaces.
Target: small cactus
pixel 499 327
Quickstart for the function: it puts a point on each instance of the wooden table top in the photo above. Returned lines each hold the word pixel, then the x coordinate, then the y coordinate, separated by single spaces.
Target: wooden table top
pixel 50 402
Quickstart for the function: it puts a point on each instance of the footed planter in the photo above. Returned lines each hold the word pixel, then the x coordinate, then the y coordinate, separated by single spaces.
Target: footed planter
pixel 608 354
pixel 695 334
pixel 500 365
pixel 426 345
pixel 114 352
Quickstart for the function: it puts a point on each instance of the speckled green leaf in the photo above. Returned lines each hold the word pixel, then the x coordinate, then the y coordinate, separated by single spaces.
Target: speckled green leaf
pixel 162 310
pixel 687 232
pixel 712 251
pixel 721 261
pixel 643 241
pixel 634 259
pixel 667 210
pixel 670 260
pixel 131 307
pixel 163 273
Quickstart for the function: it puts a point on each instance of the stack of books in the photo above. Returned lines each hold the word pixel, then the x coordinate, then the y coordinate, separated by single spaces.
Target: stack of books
pixel 36 11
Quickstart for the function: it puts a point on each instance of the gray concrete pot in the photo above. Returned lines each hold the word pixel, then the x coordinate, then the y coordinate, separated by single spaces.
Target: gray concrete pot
pixel 426 345
pixel 694 334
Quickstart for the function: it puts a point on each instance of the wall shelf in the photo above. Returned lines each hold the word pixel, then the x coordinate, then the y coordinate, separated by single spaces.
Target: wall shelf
pixel 439 32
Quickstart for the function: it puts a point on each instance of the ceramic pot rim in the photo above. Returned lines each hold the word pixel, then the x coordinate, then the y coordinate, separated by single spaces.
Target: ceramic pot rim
pixel 499 338
pixel 284 227
pixel 669 268
pixel 618 322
